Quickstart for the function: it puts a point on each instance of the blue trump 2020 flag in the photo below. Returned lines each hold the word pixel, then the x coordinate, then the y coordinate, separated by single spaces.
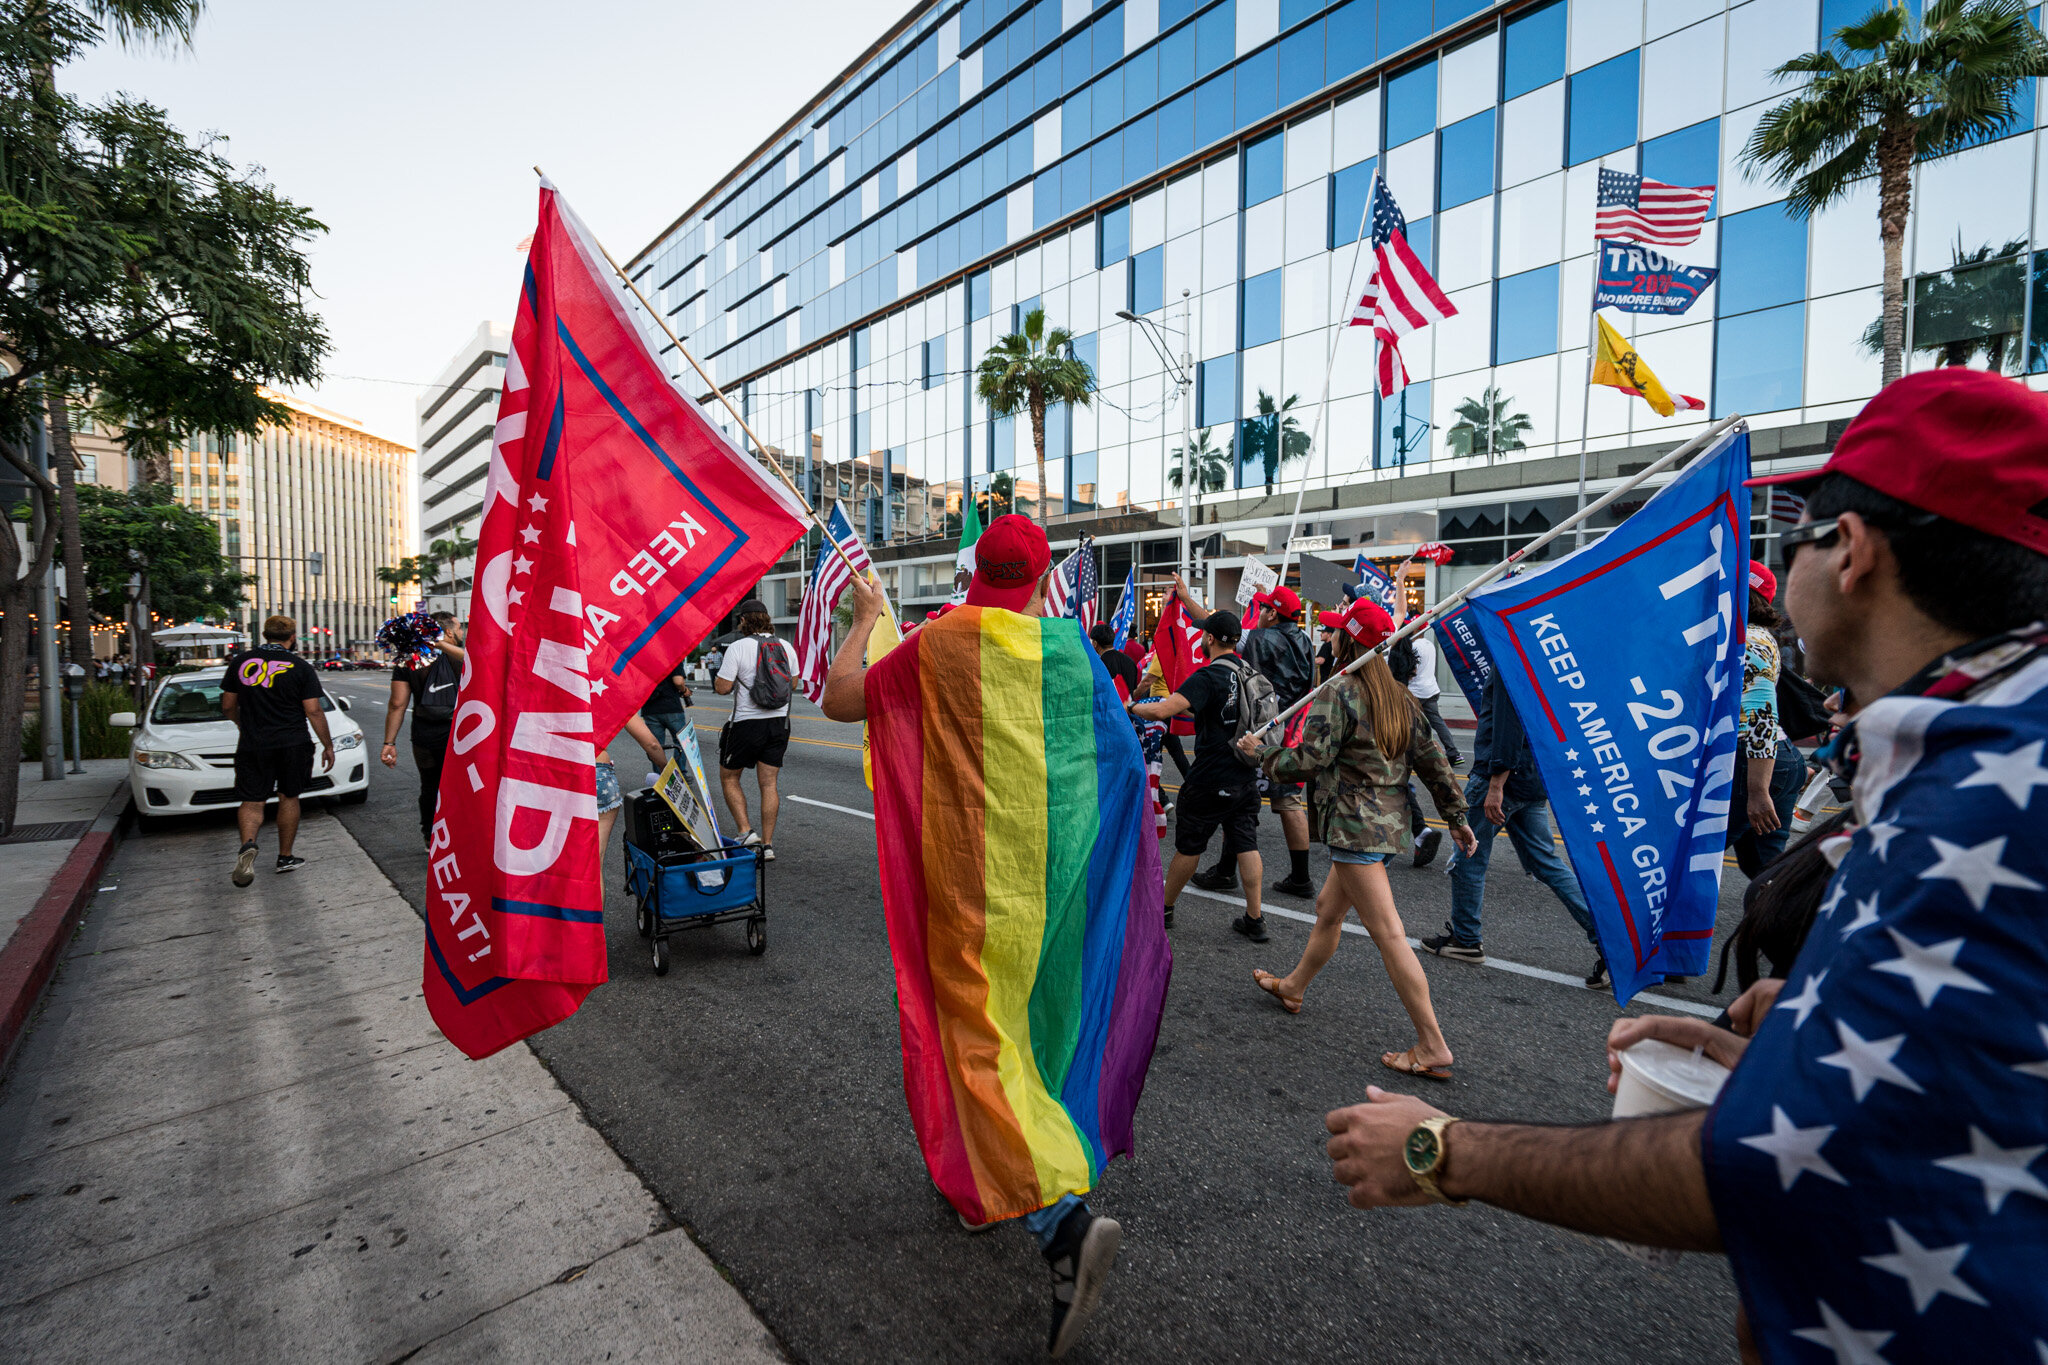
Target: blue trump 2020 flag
pixel 1466 653
pixel 1624 661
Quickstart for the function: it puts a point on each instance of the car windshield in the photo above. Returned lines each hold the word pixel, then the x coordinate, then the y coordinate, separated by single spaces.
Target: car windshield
pixel 196 702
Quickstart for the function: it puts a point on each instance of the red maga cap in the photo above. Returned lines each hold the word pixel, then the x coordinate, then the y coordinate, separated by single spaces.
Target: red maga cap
pixel 1963 444
pixel 1282 599
pixel 1762 580
pixel 1009 559
pixel 1365 621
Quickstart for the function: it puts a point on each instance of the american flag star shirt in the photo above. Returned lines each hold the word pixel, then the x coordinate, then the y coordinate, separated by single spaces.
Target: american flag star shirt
pixel 1876 1162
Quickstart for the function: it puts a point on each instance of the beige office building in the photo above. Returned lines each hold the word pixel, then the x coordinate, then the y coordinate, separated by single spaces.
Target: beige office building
pixel 310 512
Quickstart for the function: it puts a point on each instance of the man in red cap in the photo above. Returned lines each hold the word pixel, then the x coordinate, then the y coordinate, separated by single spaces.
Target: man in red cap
pixel 1873 1166
pixel 1278 647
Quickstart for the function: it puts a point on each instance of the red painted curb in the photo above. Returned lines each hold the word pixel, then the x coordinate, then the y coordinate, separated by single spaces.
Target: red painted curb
pixel 30 957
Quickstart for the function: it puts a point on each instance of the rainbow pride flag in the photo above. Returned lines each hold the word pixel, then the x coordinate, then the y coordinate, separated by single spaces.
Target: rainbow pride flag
pixel 1021 881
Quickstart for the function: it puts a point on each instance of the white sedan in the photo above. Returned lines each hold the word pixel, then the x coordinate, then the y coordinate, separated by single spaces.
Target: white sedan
pixel 183 757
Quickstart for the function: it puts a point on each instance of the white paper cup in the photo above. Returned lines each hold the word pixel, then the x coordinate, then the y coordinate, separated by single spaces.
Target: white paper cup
pixel 1658 1078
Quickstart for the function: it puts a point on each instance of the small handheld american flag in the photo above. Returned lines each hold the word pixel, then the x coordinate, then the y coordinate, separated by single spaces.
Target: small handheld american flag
pixel 1650 211
pixel 1401 297
pixel 829 577
pixel 1076 588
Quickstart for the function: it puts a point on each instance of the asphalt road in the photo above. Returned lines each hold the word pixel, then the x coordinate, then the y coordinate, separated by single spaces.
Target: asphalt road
pixel 762 1100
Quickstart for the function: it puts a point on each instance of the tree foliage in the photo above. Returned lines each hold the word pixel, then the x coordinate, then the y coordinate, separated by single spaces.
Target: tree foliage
pixel 1890 90
pixel 1029 371
pixel 1211 463
pixel 1274 437
pixel 1485 426
pixel 146 531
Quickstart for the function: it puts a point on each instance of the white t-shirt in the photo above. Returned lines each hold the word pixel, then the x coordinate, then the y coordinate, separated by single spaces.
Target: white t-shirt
pixel 741 657
pixel 1424 684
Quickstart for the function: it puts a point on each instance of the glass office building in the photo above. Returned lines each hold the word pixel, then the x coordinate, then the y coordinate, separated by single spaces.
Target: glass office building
pixel 1206 163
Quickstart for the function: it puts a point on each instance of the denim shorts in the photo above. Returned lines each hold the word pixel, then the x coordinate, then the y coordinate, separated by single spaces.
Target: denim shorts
pixel 1345 855
pixel 608 797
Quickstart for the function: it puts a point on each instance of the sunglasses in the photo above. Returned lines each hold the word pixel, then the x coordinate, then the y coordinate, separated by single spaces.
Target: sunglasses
pixel 1823 533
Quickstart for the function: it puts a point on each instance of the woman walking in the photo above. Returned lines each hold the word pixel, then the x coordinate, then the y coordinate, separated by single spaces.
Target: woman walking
pixel 1359 741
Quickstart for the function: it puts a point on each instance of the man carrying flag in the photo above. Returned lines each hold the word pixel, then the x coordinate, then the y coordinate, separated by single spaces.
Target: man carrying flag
pixel 1021 883
pixel 1618 365
pixel 619 526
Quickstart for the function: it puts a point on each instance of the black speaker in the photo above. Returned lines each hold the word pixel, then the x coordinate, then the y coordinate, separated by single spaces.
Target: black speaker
pixel 653 828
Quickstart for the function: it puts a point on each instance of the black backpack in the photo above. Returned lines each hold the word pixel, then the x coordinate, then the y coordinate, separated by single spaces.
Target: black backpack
pixel 1802 709
pixel 1256 705
pixel 437 692
pixel 773 683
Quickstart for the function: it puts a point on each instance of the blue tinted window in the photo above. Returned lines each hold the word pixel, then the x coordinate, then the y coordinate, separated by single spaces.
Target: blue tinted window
pixel 1141 82
pixel 1075 186
pixel 1301 61
pixel 1258 317
pixel 1421 232
pixel 1114 241
pixel 1176 130
pixel 1077 61
pixel 1763 260
pixel 1449 12
pixel 1213 116
pixel 1411 104
pixel 1108 37
pixel 1141 148
pixel 1525 316
pixel 1216 38
pixel 1353 41
pixel 1218 398
pixel 1402 22
pixel 1758 361
pixel 1148 280
pixel 1258 86
pixel 1293 12
pixel 1172 12
pixel 1690 156
pixel 1603 108
pixel 1107 177
pixel 1350 189
pixel 1109 101
pixel 935 361
pixel 1077 121
pixel 1177 60
pixel 1262 169
pixel 1045 197
pixel 1404 428
pixel 1465 161
pixel 977 295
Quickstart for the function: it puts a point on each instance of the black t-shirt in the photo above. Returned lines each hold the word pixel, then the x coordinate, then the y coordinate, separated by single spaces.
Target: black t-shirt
pixel 433 685
pixel 1212 696
pixel 666 699
pixel 1120 666
pixel 271 684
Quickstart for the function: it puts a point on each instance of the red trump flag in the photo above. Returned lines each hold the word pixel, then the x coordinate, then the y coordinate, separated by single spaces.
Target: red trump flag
pixel 619 526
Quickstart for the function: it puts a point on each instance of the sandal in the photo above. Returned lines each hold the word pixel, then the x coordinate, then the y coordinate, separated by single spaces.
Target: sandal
pixel 1407 1064
pixel 1270 984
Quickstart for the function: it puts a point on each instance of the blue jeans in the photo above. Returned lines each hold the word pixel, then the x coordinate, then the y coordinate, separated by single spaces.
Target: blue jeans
pixel 1753 851
pixel 1528 827
pixel 1044 1223
pixel 668 729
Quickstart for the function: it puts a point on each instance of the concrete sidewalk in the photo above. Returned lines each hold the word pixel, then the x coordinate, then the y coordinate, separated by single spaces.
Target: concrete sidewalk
pixel 26 868
pixel 235 1134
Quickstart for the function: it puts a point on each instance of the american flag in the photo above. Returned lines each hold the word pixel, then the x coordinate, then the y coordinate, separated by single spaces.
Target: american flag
pixel 1076 591
pixel 1787 505
pixel 829 578
pixel 1401 297
pixel 1126 612
pixel 1877 1161
pixel 1650 211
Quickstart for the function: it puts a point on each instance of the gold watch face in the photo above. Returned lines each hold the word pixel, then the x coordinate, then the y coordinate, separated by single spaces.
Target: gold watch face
pixel 1420 1150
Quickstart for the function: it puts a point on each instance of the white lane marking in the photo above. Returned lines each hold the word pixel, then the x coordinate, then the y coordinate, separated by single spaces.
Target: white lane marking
pixel 1501 964
pixel 844 810
pixel 1498 964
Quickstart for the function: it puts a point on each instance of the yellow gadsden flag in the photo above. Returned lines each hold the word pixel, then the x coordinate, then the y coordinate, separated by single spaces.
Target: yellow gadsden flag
pixel 881 640
pixel 1620 366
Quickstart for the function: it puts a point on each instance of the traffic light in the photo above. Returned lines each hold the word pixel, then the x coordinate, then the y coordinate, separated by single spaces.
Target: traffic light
pixel 393 599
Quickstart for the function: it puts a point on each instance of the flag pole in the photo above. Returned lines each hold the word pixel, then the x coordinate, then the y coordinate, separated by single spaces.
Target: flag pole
pixel 1329 373
pixel 1586 395
pixel 760 446
pixel 1416 625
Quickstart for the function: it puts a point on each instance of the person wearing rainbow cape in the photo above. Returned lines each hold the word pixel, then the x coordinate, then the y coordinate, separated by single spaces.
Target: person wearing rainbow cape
pixel 1022 888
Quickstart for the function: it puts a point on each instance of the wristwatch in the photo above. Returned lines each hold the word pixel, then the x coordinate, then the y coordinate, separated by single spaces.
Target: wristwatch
pixel 1423 1153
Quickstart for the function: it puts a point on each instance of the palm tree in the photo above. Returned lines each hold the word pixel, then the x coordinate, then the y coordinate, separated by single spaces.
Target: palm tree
pixel 1907 91
pixel 1211 464
pixel 1968 308
pixel 451 552
pixel 1033 369
pixel 1260 433
pixel 396 576
pixel 1486 426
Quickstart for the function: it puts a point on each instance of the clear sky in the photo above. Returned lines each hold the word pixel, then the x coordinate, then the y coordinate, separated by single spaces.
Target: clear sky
pixel 411 128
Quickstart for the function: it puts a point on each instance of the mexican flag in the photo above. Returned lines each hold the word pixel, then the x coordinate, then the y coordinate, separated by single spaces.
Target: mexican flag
pixel 963 563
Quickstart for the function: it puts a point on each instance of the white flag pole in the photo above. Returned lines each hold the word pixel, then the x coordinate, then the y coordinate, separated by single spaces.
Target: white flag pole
pixel 1416 625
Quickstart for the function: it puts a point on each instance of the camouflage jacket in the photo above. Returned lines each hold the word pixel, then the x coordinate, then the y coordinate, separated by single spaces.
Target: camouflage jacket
pixel 1357 798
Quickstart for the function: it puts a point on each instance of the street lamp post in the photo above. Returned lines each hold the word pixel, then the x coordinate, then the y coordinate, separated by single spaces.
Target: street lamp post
pixel 1183 376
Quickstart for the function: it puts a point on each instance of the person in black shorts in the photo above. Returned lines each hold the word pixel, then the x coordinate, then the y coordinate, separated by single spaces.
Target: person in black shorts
pixel 1220 792
pixel 272 694
pixel 431 688
pixel 757 736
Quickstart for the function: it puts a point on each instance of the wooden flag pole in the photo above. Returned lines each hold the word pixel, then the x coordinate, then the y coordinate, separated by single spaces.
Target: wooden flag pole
pixel 1418 624
pixel 759 446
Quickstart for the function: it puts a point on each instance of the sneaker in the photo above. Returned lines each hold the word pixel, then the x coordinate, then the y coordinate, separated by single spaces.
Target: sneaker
pixel 1169 917
pixel 1597 978
pixel 1443 945
pixel 767 853
pixel 1253 929
pixel 245 864
pixel 1426 845
pixel 1457 760
pixel 1216 879
pixel 1293 886
pixel 750 839
pixel 1080 1255
pixel 288 862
